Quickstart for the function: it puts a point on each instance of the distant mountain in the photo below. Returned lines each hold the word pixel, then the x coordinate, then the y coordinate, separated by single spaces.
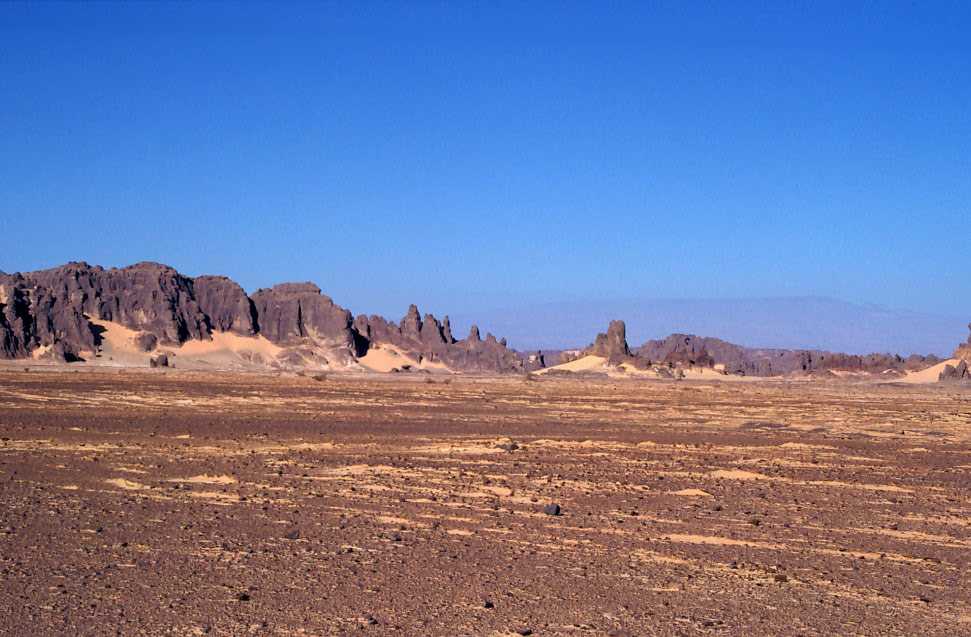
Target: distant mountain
pixel 788 323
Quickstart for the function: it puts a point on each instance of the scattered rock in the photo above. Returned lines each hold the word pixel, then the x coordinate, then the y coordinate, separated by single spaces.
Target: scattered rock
pixel 551 509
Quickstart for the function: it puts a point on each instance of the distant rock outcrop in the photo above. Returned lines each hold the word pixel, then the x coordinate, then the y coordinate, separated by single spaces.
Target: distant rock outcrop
pixel 964 349
pixel 689 350
pixel 612 344
pixel 427 339
pixel 959 372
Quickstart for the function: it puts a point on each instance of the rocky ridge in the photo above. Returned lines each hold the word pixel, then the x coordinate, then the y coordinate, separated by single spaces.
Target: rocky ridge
pixel 56 313
pixel 687 350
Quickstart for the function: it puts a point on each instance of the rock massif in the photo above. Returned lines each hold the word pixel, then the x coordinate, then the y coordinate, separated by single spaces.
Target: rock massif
pixel 687 350
pixel 57 313
pixel 60 313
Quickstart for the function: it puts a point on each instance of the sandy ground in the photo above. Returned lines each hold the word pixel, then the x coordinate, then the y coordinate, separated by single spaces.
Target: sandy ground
pixel 183 503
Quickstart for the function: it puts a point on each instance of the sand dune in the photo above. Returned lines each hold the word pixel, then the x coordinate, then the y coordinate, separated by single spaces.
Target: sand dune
pixel 929 375
pixel 387 357
pixel 118 346
pixel 584 364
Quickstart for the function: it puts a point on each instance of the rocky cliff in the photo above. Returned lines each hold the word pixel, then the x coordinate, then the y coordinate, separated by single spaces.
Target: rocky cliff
pixel 57 312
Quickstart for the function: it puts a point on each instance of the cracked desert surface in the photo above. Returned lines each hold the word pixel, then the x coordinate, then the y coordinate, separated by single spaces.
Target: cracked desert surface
pixel 139 503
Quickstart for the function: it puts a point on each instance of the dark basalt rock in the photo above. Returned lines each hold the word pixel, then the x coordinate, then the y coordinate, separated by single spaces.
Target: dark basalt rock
pixel 612 345
pixel 162 360
pixel 959 372
pixel 226 305
pixel 411 324
pixel 290 312
pixel 428 339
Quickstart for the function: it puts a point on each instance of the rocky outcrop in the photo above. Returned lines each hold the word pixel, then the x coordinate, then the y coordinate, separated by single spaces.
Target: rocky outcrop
pixel 690 350
pixel 54 307
pixel 959 372
pixel 964 349
pixel 298 315
pixel 57 312
pixel 611 344
pixel 226 305
pixel 428 339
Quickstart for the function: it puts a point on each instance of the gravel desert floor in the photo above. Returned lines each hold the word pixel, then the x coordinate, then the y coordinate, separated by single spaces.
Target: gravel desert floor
pixel 139 503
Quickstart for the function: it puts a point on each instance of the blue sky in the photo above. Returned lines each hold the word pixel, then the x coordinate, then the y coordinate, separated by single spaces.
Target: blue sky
pixel 483 155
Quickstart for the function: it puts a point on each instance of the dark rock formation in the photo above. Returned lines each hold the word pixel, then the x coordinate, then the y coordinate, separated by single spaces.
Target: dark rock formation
pixel 957 372
pixel 226 305
pixel 447 331
pixel 58 309
pixel 411 324
pixel 299 316
pixel 612 345
pixel 430 340
pixel 690 350
pixel 162 360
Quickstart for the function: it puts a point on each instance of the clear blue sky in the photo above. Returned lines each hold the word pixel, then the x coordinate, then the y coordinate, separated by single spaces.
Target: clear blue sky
pixel 495 154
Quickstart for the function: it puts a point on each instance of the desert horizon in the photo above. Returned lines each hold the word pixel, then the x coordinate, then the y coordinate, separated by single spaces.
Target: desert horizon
pixel 485 319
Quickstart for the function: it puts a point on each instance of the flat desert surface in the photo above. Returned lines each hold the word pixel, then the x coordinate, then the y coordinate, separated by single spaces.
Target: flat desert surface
pixel 181 503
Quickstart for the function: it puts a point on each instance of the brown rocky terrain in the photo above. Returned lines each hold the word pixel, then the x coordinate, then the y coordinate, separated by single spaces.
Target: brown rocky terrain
pixel 173 502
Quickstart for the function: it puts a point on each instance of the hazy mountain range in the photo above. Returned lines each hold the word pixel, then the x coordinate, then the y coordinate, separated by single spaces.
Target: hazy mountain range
pixel 796 323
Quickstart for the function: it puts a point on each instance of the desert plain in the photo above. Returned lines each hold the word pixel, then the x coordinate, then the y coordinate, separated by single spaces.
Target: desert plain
pixel 171 502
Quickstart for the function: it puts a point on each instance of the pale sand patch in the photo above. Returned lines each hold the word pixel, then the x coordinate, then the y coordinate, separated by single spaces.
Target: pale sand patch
pixel 692 493
pixel 387 357
pixel 869 487
pixel 128 485
pixel 41 351
pixel 231 342
pixel 803 445
pixel 461 532
pixel 70 487
pixel 584 364
pixel 116 338
pixel 715 540
pixel 206 479
pixel 929 375
pixel 707 373
pixel 129 470
pixel 737 474
pixel 915 535
pixel 483 447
